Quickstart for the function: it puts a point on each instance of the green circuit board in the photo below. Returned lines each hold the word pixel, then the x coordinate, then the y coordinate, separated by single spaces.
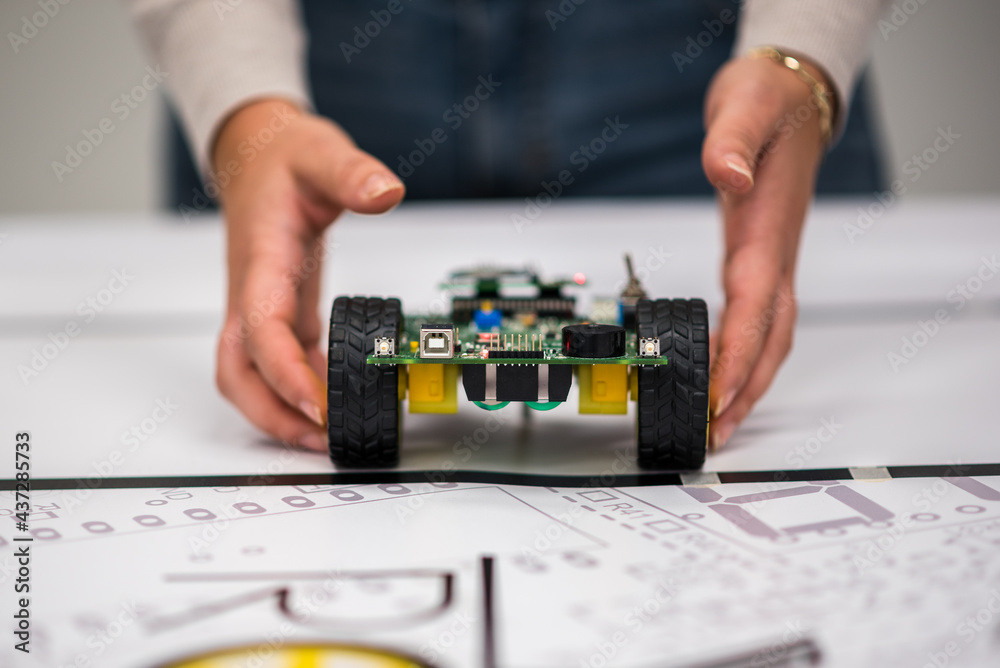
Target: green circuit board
pixel 514 334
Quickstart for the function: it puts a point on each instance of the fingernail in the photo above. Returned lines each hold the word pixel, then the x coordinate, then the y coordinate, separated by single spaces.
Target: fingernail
pixel 379 184
pixel 720 435
pixel 314 440
pixel 739 165
pixel 311 411
pixel 722 404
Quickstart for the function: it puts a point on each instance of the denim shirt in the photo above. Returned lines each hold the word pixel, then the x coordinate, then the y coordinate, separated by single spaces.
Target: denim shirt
pixel 495 98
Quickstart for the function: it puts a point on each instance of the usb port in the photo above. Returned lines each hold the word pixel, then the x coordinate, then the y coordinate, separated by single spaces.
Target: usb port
pixel 437 341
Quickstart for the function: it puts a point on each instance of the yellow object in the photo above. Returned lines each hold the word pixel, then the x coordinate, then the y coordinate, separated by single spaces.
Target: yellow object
pixel 603 388
pixel 414 345
pixel 300 656
pixel 402 381
pixel 633 383
pixel 433 388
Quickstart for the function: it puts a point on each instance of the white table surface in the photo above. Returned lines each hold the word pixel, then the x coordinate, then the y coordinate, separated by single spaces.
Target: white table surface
pixel 156 339
pixel 870 573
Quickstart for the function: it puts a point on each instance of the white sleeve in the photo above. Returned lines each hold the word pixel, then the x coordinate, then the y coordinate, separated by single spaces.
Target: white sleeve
pixel 836 35
pixel 219 55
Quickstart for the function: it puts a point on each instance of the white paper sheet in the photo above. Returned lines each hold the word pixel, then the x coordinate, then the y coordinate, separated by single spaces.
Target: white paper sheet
pixel 867 573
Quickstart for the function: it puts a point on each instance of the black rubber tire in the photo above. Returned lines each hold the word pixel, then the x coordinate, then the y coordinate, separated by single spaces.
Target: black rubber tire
pixel 362 399
pixel 673 398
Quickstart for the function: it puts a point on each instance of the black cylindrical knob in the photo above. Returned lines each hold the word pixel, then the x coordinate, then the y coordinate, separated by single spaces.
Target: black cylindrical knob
pixel 593 340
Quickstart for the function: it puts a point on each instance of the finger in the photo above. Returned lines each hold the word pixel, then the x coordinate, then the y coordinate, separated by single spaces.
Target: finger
pixel 308 327
pixel 751 280
pixel 740 118
pixel 270 304
pixel 318 362
pixel 713 355
pixel 307 322
pixel 284 365
pixel 239 382
pixel 349 177
pixel 776 349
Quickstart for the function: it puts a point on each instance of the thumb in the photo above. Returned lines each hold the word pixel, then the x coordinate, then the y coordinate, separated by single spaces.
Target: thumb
pixel 347 176
pixel 739 126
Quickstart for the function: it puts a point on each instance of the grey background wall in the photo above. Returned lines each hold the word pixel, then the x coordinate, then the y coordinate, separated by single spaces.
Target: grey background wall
pixel 939 70
pixel 62 83
pixel 936 71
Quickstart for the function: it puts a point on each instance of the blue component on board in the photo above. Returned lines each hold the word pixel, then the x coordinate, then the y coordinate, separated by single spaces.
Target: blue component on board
pixel 487 319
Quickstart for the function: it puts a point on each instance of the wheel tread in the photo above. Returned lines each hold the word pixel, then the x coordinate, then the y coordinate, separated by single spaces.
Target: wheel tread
pixel 363 402
pixel 673 398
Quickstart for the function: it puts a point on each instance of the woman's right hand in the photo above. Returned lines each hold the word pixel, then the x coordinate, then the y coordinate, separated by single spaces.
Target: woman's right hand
pixel 291 174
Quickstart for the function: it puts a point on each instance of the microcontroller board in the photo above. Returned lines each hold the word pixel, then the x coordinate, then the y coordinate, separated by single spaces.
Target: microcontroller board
pixel 500 344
